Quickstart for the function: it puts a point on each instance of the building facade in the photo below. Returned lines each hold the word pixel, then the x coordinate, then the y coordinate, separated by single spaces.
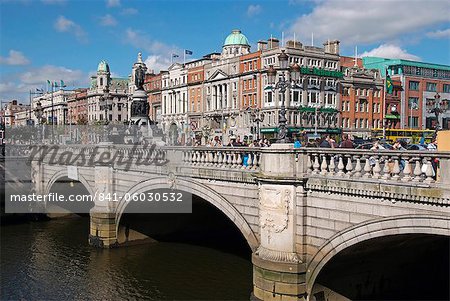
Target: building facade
pixel 77 106
pixel 107 97
pixel 425 94
pixel 362 98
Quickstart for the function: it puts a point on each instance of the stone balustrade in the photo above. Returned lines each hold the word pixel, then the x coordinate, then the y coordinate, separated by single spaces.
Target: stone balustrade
pixel 399 166
pixel 224 157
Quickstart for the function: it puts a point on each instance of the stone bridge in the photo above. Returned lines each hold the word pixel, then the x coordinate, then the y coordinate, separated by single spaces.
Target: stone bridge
pixel 297 208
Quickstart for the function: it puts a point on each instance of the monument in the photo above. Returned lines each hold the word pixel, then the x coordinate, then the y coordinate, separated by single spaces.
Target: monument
pixel 139 120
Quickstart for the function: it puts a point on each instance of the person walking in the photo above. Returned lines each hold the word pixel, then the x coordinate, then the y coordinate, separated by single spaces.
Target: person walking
pixel 346 142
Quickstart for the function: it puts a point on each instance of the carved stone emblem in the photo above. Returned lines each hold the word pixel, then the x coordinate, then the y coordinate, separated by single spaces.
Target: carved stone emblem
pixel 275 210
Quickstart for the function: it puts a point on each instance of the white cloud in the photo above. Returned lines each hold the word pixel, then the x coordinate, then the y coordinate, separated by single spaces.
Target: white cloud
pixel 63 24
pixel 112 3
pixel 439 34
pixel 159 52
pixel 391 52
pixel 157 62
pixel 129 11
pixel 17 86
pixel 15 58
pixel 108 20
pixel 253 10
pixel 38 76
pixel 366 22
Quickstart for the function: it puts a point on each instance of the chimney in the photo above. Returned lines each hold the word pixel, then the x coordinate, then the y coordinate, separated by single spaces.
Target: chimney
pixel 331 47
pixel 292 44
pixel 273 43
pixel 262 45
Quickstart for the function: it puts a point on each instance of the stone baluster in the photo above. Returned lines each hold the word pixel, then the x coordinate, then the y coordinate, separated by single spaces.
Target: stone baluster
pixel 233 161
pixel 202 158
pixel 324 166
pixel 386 172
pixel 250 161
pixel 429 172
pixel 219 159
pixel 396 169
pixel 417 171
pixel 255 161
pixel 376 169
pixel 332 167
pixel 230 156
pixel 316 164
pixel 406 171
pixel 238 161
pixel 349 166
pixel 225 159
pixel 358 167
pixel 367 168
pixel 309 164
pixel 340 166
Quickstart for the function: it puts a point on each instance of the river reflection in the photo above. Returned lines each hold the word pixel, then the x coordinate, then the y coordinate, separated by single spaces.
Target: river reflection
pixel 53 261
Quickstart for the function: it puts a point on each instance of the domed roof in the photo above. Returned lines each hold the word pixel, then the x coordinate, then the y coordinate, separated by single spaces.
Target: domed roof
pixel 103 66
pixel 236 38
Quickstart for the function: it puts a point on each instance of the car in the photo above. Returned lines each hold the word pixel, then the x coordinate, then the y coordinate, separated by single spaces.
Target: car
pixel 416 147
pixel 370 145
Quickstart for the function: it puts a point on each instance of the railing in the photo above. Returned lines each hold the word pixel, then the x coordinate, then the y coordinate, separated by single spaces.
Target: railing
pixel 404 166
pixel 224 157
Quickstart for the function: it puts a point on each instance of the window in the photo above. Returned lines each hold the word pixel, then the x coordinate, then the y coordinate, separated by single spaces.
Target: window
pixel 269 97
pixel 413 102
pixel 356 106
pixel 446 88
pixel 413 122
pixel 414 86
pixel 431 87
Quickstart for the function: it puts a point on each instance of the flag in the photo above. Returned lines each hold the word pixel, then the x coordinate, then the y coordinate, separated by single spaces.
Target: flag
pixel 39 90
pixel 188 52
pixel 62 84
pixel 175 55
pixel 389 85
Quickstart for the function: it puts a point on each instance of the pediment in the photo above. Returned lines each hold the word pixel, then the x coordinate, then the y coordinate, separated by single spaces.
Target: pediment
pixel 175 66
pixel 217 75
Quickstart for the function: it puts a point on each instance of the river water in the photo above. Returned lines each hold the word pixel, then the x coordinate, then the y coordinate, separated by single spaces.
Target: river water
pixel 53 261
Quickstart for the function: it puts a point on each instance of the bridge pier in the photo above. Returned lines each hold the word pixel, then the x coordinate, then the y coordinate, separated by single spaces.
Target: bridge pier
pixel 278 271
pixel 103 233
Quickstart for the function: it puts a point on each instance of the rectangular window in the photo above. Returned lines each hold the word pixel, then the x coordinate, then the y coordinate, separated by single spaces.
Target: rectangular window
pixel 413 122
pixel 269 96
pixel 413 102
pixel 414 86
pixel 446 88
pixel 431 87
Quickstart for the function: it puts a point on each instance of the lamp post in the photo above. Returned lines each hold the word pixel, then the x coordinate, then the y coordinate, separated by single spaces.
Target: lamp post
pixel 437 110
pixel 412 105
pixel 281 86
pixel 38 114
pixel 257 117
pixel 104 98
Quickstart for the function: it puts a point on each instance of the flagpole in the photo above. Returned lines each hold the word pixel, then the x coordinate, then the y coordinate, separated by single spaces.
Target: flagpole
pixel 384 109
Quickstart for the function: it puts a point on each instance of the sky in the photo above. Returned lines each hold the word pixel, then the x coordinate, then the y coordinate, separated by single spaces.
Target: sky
pixel 65 40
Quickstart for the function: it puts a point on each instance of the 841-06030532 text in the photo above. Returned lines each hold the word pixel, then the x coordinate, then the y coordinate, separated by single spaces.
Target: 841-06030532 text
pixel 141 197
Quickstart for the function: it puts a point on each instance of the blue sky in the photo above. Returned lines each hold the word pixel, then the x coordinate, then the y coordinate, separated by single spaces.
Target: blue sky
pixel 63 39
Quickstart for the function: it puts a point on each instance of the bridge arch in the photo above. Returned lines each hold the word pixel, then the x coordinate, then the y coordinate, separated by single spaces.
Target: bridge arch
pixel 63 173
pixel 404 224
pixel 200 190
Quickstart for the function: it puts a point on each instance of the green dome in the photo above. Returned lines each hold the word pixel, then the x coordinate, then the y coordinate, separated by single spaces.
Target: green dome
pixel 236 38
pixel 103 66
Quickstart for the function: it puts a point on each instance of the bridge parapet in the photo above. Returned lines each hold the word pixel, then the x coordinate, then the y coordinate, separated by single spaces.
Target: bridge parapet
pixel 391 175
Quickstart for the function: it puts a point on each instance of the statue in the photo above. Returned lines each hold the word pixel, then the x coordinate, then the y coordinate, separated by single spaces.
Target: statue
pixel 139 77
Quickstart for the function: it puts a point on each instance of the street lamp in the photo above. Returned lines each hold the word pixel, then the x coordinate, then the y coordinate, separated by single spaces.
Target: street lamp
pixel 282 85
pixel 412 105
pixel 38 114
pixel 257 117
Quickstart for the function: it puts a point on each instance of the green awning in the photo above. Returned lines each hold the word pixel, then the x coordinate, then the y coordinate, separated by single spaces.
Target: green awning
pixel 392 116
pixel 328 110
pixel 269 130
pixel 306 109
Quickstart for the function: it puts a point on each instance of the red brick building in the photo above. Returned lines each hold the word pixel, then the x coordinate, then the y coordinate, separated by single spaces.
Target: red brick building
pixel 77 112
pixel 361 98
pixel 153 85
